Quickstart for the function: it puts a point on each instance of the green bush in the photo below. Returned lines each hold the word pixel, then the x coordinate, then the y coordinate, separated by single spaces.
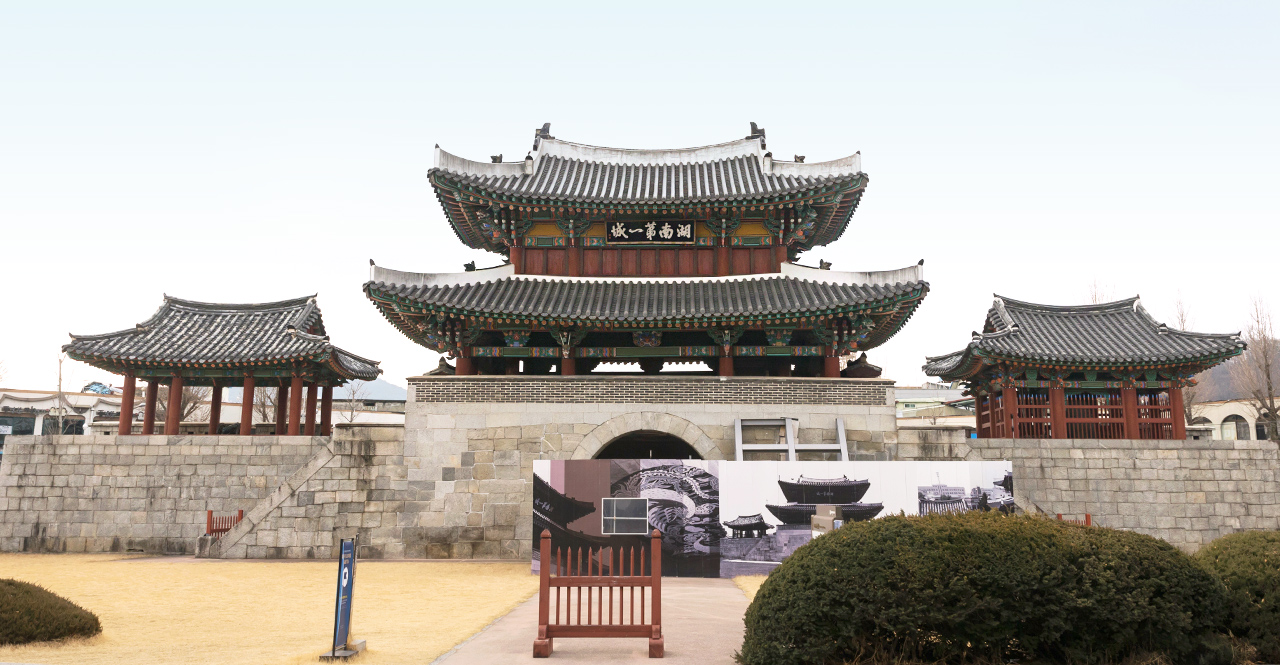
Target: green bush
pixel 985 587
pixel 29 613
pixel 1248 563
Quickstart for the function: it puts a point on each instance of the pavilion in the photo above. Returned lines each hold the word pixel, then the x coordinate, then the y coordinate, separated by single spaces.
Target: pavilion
pixel 1104 371
pixel 185 343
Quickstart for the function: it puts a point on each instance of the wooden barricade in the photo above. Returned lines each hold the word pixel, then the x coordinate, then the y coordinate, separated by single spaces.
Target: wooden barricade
pixel 216 525
pixel 607 614
pixel 1088 520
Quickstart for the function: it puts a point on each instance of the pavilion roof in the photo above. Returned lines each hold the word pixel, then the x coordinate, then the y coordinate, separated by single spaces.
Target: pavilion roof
pixel 560 173
pixel 1118 334
pixel 636 302
pixel 746 520
pixel 197 335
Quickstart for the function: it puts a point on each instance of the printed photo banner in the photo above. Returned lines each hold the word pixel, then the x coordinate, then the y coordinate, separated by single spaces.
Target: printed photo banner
pixel 727 518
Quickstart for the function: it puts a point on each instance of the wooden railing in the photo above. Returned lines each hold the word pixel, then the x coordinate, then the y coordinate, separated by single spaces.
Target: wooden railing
pixel 216 525
pixel 1087 521
pixel 607 615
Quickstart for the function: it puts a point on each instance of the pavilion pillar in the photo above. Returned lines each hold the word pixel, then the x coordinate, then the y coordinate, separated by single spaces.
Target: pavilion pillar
pixel 567 366
pixel 149 409
pixel 726 365
pixel 311 410
pixel 463 366
pixel 295 405
pixel 517 257
pixel 126 404
pixel 831 364
pixel 779 253
pixel 1058 412
pixel 282 409
pixel 1010 401
pixel 512 365
pixel 1129 402
pixel 722 260
pixel 326 412
pixel 784 368
pixel 981 425
pixel 246 407
pixel 215 408
pixel 575 260
pixel 1179 413
pixel 173 411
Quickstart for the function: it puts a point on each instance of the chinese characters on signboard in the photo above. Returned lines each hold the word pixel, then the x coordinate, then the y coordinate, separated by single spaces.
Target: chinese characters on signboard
pixel 650 232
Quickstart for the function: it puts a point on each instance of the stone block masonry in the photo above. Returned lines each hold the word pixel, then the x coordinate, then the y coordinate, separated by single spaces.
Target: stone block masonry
pixel 1186 492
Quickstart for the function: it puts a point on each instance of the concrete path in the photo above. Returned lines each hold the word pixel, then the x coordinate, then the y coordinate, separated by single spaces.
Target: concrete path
pixel 701 621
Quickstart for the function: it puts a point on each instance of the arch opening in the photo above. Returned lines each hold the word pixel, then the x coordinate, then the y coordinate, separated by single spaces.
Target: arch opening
pixel 648 444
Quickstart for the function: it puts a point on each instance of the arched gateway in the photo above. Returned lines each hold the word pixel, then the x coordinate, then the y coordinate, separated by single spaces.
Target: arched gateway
pixel 632 432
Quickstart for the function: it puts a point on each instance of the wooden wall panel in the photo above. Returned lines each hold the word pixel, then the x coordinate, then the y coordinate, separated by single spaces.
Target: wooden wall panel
pixel 609 266
pixel 687 262
pixel 762 260
pixel 648 262
pixel 591 262
pixel 630 262
pixel 535 261
pixel 667 262
pixel 706 262
pixel 557 262
pixel 740 260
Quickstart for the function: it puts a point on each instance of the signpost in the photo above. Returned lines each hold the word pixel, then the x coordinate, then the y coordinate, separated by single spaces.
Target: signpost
pixel 343 648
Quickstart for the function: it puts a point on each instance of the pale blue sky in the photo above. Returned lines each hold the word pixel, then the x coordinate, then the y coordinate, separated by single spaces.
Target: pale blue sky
pixel 258 151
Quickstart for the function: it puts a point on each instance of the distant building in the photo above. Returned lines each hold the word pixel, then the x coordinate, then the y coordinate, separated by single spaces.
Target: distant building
pixel 37 411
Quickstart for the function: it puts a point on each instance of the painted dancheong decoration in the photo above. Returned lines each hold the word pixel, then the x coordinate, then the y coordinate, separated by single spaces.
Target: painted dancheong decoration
pixel 689 503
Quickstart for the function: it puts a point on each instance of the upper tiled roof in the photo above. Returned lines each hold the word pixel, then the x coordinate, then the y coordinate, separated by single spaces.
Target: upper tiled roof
pixel 1115 334
pixel 187 333
pixel 563 171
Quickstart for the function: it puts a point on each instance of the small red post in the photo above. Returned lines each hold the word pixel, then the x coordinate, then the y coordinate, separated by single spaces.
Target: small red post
pixel 215 408
pixel 543 644
pixel 311 410
pixel 126 404
pixel 173 411
pixel 326 412
pixel 1059 517
pixel 1088 519
pixel 655 640
pixel 295 406
pixel 208 524
pixel 246 407
pixel 149 410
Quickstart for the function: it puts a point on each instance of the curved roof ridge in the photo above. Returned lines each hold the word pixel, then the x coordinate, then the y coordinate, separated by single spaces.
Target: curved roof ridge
pixel 650 156
pixel 1115 305
pixel 238 307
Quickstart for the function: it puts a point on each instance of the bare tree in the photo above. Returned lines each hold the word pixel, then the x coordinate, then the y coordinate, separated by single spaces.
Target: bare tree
pixel 1099 293
pixel 1256 372
pixel 264 403
pixel 353 396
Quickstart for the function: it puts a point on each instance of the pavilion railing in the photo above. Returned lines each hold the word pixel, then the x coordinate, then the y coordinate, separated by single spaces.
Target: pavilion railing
pixel 1094 414
pixel 607 614
pixel 1155 415
pixel 1033 418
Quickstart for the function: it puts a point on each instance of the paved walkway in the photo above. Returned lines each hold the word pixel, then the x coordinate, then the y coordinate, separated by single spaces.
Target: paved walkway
pixel 701 621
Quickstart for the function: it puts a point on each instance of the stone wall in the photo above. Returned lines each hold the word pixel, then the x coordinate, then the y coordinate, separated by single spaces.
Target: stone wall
pixel 1186 492
pixel 146 493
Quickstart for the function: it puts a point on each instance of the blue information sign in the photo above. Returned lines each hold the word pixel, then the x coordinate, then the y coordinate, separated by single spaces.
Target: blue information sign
pixel 346 582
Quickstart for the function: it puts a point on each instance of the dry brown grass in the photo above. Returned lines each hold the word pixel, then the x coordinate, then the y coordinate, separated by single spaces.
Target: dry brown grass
pixel 185 610
pixel 750 584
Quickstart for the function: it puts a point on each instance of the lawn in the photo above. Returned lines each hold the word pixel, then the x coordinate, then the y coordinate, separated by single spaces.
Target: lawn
pixel 186 610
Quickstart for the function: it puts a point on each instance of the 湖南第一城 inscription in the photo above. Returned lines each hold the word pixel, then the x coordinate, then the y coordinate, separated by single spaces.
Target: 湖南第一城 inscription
pixel 650 232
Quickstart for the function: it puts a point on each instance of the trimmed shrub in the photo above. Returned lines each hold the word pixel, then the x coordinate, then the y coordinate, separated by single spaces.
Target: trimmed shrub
pixel 29 613
pixel 1248 563
pixel 985 587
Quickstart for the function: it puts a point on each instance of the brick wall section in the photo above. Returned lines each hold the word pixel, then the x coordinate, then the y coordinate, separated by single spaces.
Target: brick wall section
pixel 648 389
pixel 1186 492
pixel 149 493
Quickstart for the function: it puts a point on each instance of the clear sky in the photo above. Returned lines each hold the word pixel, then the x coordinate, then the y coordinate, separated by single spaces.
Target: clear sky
pixel 248 152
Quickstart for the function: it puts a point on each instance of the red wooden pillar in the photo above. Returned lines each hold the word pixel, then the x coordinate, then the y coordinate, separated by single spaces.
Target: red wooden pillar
pixel 1010 400
pixel 326 412
pixel 779 253
pixel 517 256
pixel 726 365
pixel 149 409
pixel 722 261
pixel 246 407
pixel 126 404
pixel 1179 414
pixel 831 364
pixel 568 366
pixel 282 409
pixel 464 366
pixel 1058 412
pixel 173 410
pixel 979 420
pixel 311 410
pixel 1129 402
pixel 215 408
pixel 295 406
pixel 575 260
